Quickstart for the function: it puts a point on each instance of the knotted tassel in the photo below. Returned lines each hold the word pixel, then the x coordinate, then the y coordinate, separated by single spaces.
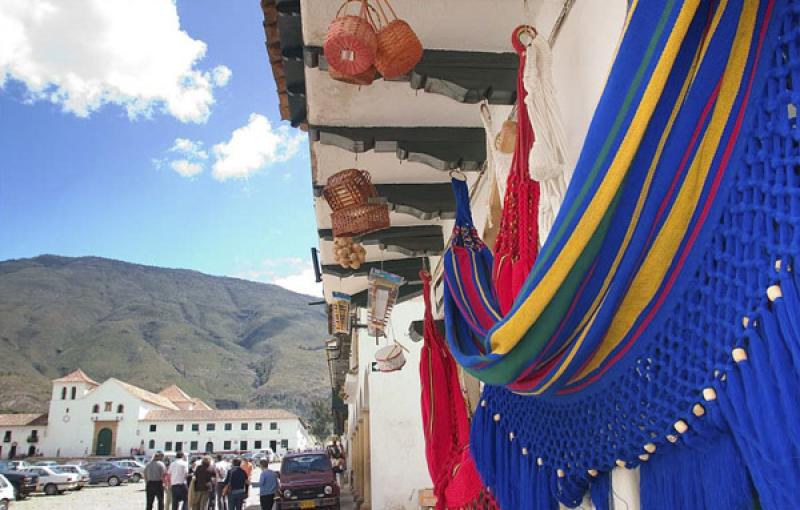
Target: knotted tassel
pixel 601 491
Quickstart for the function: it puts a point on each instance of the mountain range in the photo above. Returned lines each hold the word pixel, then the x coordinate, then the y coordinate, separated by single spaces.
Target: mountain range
pixel 231 342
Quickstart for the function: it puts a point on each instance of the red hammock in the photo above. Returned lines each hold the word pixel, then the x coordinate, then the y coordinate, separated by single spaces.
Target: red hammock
pixel 518 238
pixel 456 482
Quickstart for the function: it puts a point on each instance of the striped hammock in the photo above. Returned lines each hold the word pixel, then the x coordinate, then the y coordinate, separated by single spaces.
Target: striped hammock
pixel 660 324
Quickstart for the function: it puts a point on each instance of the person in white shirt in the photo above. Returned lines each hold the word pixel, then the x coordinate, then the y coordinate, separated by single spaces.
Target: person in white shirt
pixel 221 468
pixel 178 471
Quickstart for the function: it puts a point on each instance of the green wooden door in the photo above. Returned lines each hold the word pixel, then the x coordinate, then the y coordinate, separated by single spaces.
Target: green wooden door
pixel 103 442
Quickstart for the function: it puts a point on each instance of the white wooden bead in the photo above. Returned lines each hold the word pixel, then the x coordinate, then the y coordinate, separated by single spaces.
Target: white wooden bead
pixel 650 448
pixel 621 463
pixel 778 265
pixel 681 426
pixel 540 461
pixel 672 439
pixel 739 355
pixel 510 436
pixel 561 473
pixel 698 410
pixel 774 292
pixel 593 472
pixel 745 321
pixel 644 457
pixel 483 403
pixel 496 417
pixel 709 394
pixel 524 451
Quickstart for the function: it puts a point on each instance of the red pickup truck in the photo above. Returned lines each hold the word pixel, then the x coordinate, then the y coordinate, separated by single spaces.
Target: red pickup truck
pixel 307 481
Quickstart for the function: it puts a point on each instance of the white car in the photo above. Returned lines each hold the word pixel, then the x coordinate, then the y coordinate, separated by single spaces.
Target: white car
pixel 83 475
pixel 135 466
pixel 6 493
pixel 52 482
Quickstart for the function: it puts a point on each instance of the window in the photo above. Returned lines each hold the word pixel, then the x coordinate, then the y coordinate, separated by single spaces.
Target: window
pixel 7 437
pixel 210 427
pixel 243 445
pixel 152 444
pixel 195 427
pixel 152 428
pixel 228 426
pixel 259 426
pixel 285 444
pixel 273 425
pixel 244 426
pixel 226 445
pixel 178 446
pixel 257 445
pixel 120 408
pixel 179 427
pixel 73 393
pixel 107 407
pixel 68 410
pixel 193 446
pixel 168 446
pixel 95 409
pixel 64 393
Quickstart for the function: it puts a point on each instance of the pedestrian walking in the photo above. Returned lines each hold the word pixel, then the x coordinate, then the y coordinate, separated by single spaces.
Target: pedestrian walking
pixel 267 485
pixel 236 485
pixel 178 472
pixel 203 476
pixel 154 473
pixel 221 468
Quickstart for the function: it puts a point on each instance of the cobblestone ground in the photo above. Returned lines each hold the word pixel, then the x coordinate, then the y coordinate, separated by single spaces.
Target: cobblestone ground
pixel 125 497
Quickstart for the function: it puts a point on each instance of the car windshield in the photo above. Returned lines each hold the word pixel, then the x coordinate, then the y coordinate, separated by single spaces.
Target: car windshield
pixel 60 469
pixel 306 464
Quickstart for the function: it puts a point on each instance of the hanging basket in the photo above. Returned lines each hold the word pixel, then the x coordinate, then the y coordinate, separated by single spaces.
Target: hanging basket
pixel 351 43
pixel 399 48
pixel 358 220
pixel 390 358
pixel 348 188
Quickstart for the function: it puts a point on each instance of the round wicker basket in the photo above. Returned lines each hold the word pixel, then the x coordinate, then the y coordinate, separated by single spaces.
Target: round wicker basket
pixel 351 43
pixel 399 48
pixel 358 220
pixel 348 188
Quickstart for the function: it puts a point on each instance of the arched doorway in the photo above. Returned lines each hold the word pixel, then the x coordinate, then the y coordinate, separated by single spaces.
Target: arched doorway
pixel 104 438
pixel 209 447
pixel 31 451
pixel 13 451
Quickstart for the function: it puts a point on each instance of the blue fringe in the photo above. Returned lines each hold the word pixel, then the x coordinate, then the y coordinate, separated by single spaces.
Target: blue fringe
pixel 601 491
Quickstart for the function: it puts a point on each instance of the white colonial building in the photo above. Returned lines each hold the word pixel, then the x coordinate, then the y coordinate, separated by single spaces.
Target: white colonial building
pixel 116 418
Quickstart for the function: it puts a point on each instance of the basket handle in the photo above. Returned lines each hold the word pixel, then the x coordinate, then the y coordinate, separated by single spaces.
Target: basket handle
pixel 363 3
pixel 364 12
pixel 383 13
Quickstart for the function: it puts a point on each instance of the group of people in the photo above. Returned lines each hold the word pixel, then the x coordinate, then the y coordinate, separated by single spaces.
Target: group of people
pixel 206 484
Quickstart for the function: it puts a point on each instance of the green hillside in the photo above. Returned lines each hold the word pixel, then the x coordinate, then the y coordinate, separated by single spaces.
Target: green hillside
pixel 230 342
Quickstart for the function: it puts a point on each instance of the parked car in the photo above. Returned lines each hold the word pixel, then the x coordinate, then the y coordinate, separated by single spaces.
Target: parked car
pixel 266 453
pixel 142 459
pixel 24 482
pixel 307 481
pixel 49 463
pixel 136 467
pixel 17 464
pixel 107 472
pixel 83 475
pixel 52 482
pixel 6 493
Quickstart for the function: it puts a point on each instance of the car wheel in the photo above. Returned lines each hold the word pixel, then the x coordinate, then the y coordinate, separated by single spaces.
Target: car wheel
pixel 50 489
pixel 113 481
pixel 4 504
pixel 136 478
pixel 79 487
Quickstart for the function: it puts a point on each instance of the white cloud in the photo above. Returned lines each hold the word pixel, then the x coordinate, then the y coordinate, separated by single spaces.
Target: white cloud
pixel 84 54
pixel 291 273
pixel 186 168
pixel 302 283
pixel 253 147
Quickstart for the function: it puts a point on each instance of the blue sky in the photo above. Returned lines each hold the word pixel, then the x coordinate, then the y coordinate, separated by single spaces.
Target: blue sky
pixel 84 174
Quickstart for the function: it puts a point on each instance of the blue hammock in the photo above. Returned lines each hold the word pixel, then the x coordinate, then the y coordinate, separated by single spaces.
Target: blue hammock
pixel 659 326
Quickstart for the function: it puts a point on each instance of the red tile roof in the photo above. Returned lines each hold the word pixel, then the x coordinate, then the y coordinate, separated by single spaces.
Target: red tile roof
pixel 147 396
pixel 78 376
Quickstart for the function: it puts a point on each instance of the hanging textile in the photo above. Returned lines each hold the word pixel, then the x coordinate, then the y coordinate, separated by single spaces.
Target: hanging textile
pixel 445 421
pixel 518 237
pixel 548 160
pixel 499 163
pixel 659 325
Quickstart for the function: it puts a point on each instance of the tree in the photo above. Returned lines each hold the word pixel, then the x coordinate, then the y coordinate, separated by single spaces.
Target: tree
pixel 320 420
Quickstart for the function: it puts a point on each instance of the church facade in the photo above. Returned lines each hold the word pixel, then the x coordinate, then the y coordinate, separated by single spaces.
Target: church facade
pixel 114 418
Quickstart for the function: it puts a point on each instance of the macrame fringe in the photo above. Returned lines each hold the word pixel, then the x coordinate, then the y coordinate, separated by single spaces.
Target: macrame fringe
pixel 761 397
pixel 601 491
pixel 712 478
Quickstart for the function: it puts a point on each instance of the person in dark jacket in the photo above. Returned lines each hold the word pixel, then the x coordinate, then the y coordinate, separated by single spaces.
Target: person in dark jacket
pixel 236 484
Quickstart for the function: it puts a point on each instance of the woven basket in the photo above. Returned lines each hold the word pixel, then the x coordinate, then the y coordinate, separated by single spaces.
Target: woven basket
pixel 399 48
pixel 348 188
pixel 351 44
pixel 360 219
pixel 365 78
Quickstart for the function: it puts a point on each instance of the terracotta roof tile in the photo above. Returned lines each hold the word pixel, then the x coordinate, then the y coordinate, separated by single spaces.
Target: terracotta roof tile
pixel 221 415
pixel 175 394
pixel 78 376
pixel 19 420
pixel 147 396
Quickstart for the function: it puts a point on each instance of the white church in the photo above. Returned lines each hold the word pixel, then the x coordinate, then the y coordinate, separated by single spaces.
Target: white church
pixel 87 418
